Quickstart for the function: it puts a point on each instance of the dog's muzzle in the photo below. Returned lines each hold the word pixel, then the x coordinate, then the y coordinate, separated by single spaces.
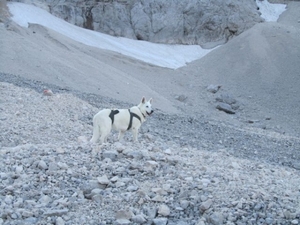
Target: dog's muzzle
pixel 150 112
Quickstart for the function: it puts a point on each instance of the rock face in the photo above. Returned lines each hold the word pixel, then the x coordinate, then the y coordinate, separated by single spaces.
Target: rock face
pixel 207 22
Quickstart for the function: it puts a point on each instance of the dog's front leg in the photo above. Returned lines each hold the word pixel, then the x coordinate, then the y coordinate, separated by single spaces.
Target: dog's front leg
pixel 121 134
pixel 135 134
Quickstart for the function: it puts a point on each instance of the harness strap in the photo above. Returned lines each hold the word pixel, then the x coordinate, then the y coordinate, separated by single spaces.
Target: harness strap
pixel 131 117
pixel 112 115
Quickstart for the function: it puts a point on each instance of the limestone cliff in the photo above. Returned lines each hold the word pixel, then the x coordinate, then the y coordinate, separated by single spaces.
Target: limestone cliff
pixel 204 22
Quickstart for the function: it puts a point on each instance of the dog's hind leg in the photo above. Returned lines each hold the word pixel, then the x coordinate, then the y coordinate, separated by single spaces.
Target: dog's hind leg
pixel 96 133
pixel 105 129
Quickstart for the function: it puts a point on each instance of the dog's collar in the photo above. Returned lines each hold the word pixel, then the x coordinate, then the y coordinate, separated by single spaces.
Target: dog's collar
pixel 142 113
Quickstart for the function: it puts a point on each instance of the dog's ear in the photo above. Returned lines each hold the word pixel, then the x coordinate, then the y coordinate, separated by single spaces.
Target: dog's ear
pixel 150 100
pixel 143 100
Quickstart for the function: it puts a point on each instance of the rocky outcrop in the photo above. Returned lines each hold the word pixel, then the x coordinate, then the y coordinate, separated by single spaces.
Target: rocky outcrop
pixel 206 23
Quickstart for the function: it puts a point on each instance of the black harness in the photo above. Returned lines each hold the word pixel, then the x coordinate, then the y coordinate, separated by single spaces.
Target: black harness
pixel 112 115
pixel 131 117
pixel 114 112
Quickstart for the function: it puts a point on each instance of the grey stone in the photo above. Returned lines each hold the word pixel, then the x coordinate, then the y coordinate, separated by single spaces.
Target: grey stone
pixel 258 206
pixel 42 165
pixel 225 107
pixel 56 212
pixel 110 154
pixel 91 185
pixel 52 166
pixel 151 212
pixel 184 203
pixel 132 188
pixel 226 98
pixel 30 220
pixel 27 213
pixel 124 214
pixel 216 218
pixel 181 98
pixel 139 219
pixel 45 200
pixel 158 198
pixel 133 154
pixel 160 221
pixel 206 205
pixel 122 222
pixel 59 221
pixel 296 165
pixel 97 198
pixel 213 88
pixel 269 220
pixel 103 180
pixel 8 199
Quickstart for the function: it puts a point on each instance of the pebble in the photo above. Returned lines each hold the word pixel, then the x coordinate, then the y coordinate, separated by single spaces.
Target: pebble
pixel 225 107
pixel 216 218
pixel 160 221
pixel 139 219
pixel 206 205
pixel 42 165
pixel 59 221
pixel 213 88
pixel 56 212
pixel 110 154
pixel 19 169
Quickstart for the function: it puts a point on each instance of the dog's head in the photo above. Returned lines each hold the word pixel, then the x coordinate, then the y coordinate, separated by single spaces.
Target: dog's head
pixel 146 106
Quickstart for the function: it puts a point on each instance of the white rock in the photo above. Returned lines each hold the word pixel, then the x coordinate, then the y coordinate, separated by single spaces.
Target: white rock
pixel 59 221
pixel 47 92
pixel 45 200
pixel 42 165
pixel 8 199
pixel 189 179
pixel 114 179
pixel 168 151
pixel 60 150
pixel 164 210
pixel 62 165
pixel 103 180
pixel 82 139
pixel 158 198
pixel 19 169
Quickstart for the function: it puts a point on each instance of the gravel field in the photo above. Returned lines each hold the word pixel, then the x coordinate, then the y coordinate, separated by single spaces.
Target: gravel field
pixel 183 171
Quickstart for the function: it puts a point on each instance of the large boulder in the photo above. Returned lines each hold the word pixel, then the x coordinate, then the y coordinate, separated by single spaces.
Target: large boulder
pixel 206 22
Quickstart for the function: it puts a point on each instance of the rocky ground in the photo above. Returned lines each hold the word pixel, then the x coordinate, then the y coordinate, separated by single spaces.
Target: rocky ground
pixel 193 164
pixel 184 170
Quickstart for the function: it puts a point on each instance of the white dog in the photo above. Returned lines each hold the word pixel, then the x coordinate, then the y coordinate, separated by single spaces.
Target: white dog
pixel 120 120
